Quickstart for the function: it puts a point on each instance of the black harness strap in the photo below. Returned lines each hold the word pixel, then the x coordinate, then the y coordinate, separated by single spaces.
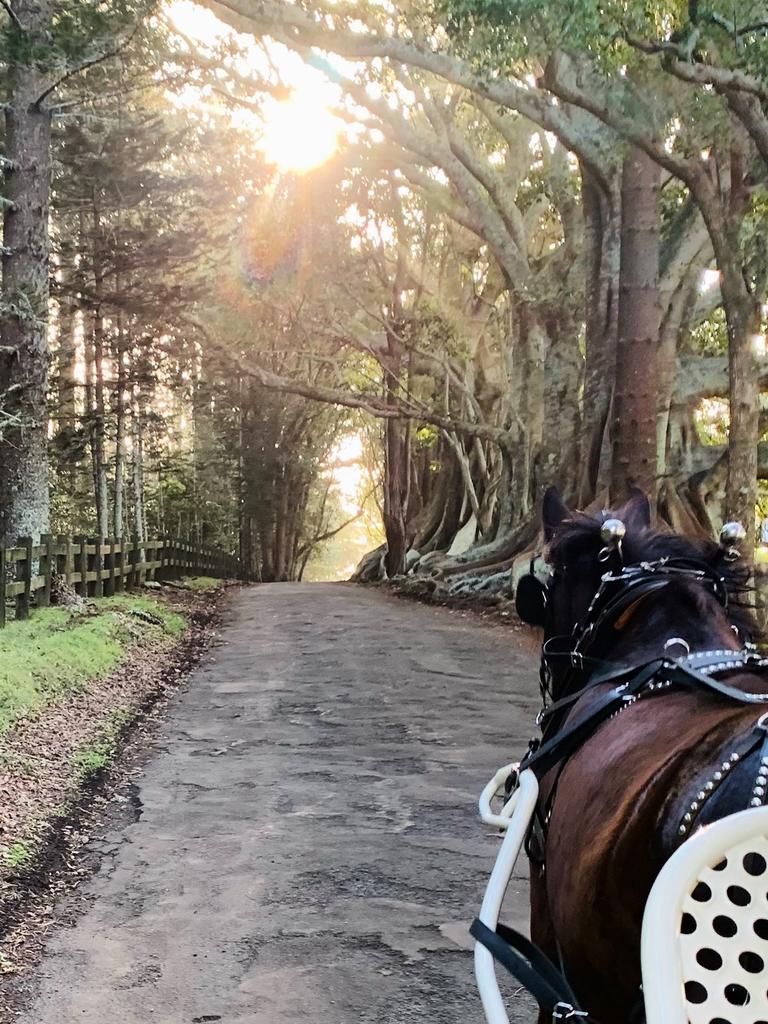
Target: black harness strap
pixel 564 743
pixel 685 675
pixel 676 673
pixel 532 968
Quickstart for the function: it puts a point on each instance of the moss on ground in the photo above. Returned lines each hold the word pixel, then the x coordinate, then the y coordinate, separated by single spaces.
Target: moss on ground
pixel 58 650
pixel 201 582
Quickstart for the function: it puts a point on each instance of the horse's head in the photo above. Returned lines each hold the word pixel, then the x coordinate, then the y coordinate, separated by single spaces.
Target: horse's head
pixel 661 586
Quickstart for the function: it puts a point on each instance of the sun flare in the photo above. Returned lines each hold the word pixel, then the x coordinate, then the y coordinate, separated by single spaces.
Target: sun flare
pixel 299 133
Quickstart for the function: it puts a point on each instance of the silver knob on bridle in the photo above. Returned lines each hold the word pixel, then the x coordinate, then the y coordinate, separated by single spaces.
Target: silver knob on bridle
pixel 732 534
pixel 612 534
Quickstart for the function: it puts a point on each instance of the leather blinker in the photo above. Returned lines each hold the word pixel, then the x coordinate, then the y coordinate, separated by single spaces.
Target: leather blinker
pixel 531 599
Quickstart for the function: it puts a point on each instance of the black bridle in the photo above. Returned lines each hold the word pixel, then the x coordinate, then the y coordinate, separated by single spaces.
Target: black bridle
pixel 617 594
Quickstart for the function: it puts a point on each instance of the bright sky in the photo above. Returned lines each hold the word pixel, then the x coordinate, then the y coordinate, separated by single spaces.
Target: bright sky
pixel 295 134
pixel 348 477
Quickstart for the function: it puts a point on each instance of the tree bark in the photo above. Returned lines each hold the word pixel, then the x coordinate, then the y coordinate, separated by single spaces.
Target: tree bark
pixel 24 497
pixel 120 415
pixel 66 402
pixel 98 429
pixel 602 245
pixel 743 433
pixel 137 462
pixel 742 313
pixel 634 402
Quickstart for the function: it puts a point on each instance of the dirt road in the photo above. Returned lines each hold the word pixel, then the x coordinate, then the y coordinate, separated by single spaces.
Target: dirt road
pixel 305 845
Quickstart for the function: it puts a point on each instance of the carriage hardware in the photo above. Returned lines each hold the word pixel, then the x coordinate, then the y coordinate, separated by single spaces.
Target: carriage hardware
pixel 618 594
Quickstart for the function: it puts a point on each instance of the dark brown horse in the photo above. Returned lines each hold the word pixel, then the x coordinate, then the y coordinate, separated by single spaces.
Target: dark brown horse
pixel 643 779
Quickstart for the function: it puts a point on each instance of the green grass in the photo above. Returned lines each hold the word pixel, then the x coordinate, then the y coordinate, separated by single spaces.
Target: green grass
pixel 17 855
pixel 102 748
pixel 201 582
pixel 57 650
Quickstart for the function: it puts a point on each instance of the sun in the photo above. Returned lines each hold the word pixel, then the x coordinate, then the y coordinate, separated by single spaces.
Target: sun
pixel 294 134
pixel 299 133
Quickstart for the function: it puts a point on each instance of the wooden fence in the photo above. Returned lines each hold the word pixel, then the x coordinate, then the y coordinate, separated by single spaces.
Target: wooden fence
pixel 99 567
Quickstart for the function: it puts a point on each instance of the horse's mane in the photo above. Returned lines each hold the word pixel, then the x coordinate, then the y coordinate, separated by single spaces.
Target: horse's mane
pixel 578 536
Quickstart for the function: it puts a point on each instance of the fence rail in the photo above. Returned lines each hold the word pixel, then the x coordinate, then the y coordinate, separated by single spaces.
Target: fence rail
pixel 99 567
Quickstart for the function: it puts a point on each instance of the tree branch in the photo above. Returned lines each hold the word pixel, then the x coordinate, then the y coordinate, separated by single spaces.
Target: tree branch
pixel 295 28
pixel 86 64
pixel 373 404
pixel 12 14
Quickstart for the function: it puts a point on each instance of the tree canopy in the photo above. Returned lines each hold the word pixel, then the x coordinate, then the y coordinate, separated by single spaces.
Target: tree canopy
pixel 534 255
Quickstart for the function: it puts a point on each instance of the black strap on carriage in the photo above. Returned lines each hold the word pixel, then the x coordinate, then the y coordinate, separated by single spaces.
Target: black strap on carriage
pixel 532 968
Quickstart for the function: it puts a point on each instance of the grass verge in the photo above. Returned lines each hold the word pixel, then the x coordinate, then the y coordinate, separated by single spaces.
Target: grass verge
pixel 58 651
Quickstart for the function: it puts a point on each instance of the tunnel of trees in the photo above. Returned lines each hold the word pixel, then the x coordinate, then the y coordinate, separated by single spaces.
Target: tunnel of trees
pixel 536 256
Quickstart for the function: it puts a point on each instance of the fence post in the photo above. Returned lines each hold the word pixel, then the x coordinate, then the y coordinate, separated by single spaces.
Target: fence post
pixel 22 600
pixel 109 583
pixel 46 570
pixel 98 565
pixel 134 577
pixel 64 565
pixel 120 556
pixel 141 557
pixel 81 563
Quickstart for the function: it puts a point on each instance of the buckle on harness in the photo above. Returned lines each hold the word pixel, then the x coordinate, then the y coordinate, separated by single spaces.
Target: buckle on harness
pixel 564 1011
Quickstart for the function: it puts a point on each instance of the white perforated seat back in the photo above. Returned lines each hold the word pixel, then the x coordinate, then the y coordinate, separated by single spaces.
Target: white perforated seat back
pixel 705 928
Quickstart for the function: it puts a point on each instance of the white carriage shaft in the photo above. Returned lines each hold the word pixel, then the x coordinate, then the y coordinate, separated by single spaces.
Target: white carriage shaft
pixel 705 927
pixel 515 819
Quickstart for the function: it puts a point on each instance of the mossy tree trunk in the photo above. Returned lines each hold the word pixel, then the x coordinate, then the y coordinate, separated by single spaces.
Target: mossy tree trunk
pixel 24 498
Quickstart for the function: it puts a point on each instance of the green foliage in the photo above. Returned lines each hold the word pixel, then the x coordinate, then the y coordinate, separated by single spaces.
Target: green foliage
pixel 92 759
pixel 754 231
pixel 527 29
pixel 17 855
pixel 709 337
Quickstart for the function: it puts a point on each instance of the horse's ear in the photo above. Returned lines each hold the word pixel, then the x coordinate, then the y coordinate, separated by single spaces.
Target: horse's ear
pixel 554 511
pixel 637 511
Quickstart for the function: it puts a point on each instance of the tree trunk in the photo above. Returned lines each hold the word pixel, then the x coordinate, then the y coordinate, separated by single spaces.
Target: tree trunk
pixel 602 249
pixel 24 498
pixel 120 434
pixel 98 429
pixel 634 401
pixel 137 465
pixel 743 433
pixel 396 469
pixel 742 313
pixel 563 373
pixel 66 402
